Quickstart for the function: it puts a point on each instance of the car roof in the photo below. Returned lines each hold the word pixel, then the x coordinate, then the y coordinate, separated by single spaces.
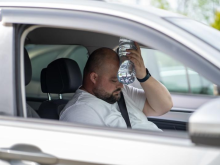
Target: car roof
pixel 89 4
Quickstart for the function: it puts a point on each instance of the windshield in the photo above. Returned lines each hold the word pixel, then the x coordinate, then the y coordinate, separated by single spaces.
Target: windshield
pixel 202 31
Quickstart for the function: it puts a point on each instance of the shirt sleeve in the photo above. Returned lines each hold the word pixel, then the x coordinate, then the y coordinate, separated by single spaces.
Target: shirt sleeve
pixel 81 114
pixel 136 95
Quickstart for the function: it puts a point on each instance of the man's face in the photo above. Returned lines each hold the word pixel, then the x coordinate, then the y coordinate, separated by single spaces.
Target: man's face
pixel 108 87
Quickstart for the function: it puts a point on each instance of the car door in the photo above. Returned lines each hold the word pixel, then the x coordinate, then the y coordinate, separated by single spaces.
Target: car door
pixel 53 142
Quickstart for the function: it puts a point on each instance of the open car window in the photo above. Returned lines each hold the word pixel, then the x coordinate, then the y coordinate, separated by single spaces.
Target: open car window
pixel 174 75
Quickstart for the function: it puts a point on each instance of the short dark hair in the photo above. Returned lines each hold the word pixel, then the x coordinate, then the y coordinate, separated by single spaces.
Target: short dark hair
pixel 96 60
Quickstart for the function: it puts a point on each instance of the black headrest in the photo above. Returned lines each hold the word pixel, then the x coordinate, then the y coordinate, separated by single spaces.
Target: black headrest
pixel 43 80
pixel 63 76
pixel 27 67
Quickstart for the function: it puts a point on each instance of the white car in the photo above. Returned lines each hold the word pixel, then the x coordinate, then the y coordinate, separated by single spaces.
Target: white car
pixel 73 29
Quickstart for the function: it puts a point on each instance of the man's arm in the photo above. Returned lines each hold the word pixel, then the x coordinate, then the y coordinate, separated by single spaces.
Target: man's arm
pixel 158 100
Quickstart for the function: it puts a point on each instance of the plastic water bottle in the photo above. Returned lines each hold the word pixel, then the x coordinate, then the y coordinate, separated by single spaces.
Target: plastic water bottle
pixel 126 72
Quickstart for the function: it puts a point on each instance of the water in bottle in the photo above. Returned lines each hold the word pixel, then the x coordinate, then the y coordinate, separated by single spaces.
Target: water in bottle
pixel 126 72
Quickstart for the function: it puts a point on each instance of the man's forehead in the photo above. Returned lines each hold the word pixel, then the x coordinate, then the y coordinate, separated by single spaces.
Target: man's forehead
pixel 111 54
pixel 108 62
pixel 111 63
pixel 110 68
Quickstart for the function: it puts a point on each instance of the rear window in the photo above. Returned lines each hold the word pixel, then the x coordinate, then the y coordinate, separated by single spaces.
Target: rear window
pixel 42 55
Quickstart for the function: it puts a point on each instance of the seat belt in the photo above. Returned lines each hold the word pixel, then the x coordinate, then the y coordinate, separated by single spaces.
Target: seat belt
pixel 123 110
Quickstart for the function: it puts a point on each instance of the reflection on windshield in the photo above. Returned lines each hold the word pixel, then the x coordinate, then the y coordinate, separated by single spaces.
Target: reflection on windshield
pixel 202 31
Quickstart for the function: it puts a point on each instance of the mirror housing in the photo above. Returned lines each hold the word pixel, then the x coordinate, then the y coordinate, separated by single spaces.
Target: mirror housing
pixel 204 124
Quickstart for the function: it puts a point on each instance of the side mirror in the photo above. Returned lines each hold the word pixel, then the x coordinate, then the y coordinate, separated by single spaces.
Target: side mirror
pixel 204 124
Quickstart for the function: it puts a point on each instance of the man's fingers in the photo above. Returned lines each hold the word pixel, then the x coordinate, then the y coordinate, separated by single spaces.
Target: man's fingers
pixel 138 47
pixel 133 51
pixel 132 55
pixel 135 61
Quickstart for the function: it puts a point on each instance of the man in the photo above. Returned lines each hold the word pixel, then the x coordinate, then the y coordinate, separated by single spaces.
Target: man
pixel 95 102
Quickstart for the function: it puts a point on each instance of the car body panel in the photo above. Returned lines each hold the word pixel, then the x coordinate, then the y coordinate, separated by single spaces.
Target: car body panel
pixel 7 82
pixel 105 146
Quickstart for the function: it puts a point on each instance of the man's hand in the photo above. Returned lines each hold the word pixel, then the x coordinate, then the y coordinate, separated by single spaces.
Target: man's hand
pixel 158 99
pixel 136 58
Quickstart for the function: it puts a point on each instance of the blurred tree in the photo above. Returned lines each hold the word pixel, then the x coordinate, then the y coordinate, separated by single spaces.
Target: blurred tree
pixel 216 23
pixel 162 4
pixel 200 10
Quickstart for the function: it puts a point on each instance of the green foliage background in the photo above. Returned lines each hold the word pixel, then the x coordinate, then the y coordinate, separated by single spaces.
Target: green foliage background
pixel 206 11
pixel 216 23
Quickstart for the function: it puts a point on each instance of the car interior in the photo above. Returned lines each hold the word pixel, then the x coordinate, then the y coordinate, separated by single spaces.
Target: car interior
pixel 54 63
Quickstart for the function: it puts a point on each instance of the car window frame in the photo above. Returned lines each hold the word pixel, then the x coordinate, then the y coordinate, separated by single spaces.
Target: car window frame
pixel 7 62
pixel 156 37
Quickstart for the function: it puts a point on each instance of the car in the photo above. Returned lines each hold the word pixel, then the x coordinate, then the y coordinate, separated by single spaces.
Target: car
pixel 172 46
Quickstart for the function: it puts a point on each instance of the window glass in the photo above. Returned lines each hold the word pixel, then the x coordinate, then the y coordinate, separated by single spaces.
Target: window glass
pixel 211 35
pixel 42 55
pixel 174 75
pixel 199 85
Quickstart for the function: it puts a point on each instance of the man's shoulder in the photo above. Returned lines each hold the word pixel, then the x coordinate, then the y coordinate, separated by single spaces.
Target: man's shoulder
pixel 80 98
pixel 83 105
pixel 86 100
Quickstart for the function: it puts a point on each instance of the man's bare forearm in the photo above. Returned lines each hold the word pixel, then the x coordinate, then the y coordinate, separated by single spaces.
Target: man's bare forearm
pixel 158 100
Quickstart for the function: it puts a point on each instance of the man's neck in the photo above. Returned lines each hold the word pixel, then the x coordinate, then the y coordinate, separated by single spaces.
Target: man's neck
pixel 86 89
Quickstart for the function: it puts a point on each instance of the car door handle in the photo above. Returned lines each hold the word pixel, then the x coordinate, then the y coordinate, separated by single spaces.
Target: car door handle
pixel 28 153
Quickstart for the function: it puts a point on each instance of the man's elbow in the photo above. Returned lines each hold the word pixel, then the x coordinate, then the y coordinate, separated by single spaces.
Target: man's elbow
pixel 167 107
pixel 161 109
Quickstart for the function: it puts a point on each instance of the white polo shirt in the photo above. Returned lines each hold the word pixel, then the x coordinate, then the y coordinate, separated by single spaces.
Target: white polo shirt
pixel 85 108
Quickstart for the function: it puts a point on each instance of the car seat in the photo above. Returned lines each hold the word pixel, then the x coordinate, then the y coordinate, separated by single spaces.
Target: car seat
pixel 61 76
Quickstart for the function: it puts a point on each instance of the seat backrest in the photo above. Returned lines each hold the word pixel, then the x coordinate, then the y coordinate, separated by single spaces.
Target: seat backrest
pixel 43 80
pixel 28 74
pixel 48 108
pixel 61 76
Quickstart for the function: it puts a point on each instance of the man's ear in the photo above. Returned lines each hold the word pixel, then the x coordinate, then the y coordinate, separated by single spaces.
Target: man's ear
pixel 93 77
